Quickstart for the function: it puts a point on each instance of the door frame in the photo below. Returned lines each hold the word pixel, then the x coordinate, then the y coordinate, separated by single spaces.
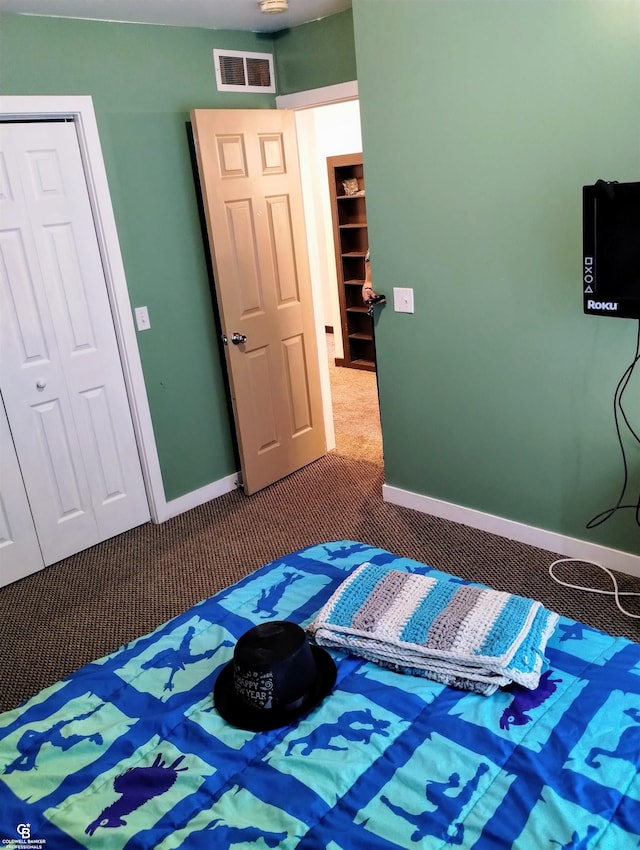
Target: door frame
pixel 299 101
pixel 79 108
pixel 319 97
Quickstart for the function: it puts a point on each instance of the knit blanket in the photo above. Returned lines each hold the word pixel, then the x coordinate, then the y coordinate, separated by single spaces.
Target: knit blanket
pixel 462 635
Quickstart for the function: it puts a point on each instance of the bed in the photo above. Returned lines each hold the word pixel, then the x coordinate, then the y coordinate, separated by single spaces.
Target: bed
pixel 130 752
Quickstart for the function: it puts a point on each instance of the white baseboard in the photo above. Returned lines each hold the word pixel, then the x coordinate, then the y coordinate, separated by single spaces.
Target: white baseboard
pixel 198 497
pixel 568 547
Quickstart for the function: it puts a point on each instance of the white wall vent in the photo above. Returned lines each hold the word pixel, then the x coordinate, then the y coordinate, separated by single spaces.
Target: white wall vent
pixel 239 71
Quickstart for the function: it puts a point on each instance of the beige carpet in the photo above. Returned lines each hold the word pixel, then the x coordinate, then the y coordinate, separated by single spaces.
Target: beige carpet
pixel 356 413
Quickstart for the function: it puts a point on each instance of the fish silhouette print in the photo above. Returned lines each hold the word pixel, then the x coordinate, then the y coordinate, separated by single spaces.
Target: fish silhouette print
pixel 32 741
pixel 136 786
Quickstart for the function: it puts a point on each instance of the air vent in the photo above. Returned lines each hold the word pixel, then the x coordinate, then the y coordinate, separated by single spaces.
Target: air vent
pixel 237 71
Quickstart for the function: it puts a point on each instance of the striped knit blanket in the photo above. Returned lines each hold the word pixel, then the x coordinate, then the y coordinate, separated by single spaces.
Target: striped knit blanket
pixel 462 635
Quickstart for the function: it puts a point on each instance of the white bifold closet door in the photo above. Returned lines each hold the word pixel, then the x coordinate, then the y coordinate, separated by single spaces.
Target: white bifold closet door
pixel 19 548
pixel 61 376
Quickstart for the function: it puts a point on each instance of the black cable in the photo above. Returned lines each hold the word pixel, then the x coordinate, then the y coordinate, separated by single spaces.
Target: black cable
pixel 617 405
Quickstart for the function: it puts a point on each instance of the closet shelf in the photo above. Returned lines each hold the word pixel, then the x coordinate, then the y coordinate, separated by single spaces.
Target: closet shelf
pixel 351 241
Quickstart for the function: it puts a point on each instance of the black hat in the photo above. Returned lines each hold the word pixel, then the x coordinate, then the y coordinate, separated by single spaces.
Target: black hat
pixel 275 677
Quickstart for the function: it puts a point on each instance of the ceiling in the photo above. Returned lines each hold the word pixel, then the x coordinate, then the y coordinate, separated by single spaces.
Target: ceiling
pixel 210 14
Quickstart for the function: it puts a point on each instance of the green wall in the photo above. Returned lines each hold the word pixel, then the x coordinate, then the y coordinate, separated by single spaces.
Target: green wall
pixel 481 123
pixel 144 80
pixel 318 54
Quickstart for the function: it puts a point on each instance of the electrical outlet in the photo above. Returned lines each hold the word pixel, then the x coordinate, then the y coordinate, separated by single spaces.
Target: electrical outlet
pixel 402 300
pixel 142 319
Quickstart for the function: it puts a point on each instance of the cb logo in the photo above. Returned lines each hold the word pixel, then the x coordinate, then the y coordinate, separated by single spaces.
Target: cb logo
pixel 24 830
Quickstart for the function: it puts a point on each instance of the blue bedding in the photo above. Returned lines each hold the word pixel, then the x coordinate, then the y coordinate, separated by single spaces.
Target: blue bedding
pixel 129 751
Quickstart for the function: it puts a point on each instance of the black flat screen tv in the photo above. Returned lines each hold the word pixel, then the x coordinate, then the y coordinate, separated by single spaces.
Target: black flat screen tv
pixel 611 249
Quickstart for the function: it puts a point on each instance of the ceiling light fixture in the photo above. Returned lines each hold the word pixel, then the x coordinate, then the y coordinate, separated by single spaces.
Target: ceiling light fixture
pixel 273 7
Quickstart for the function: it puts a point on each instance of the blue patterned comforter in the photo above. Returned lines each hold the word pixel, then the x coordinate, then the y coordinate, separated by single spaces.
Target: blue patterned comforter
pixel 129 751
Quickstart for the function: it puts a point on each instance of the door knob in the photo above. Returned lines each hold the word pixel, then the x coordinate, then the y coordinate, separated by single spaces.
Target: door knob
pixel 41 383
pixel 238 339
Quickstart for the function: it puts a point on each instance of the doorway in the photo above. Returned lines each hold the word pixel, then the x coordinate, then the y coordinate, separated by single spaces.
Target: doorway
pixel 356 413
pixel 328 124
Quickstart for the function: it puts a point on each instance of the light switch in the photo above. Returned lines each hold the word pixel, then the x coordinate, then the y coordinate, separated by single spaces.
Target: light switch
pixel 142 319
pixel 402 300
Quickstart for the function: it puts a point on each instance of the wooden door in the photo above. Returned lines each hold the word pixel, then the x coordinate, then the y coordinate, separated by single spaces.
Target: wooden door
pixel 248 165
pixel 60 371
